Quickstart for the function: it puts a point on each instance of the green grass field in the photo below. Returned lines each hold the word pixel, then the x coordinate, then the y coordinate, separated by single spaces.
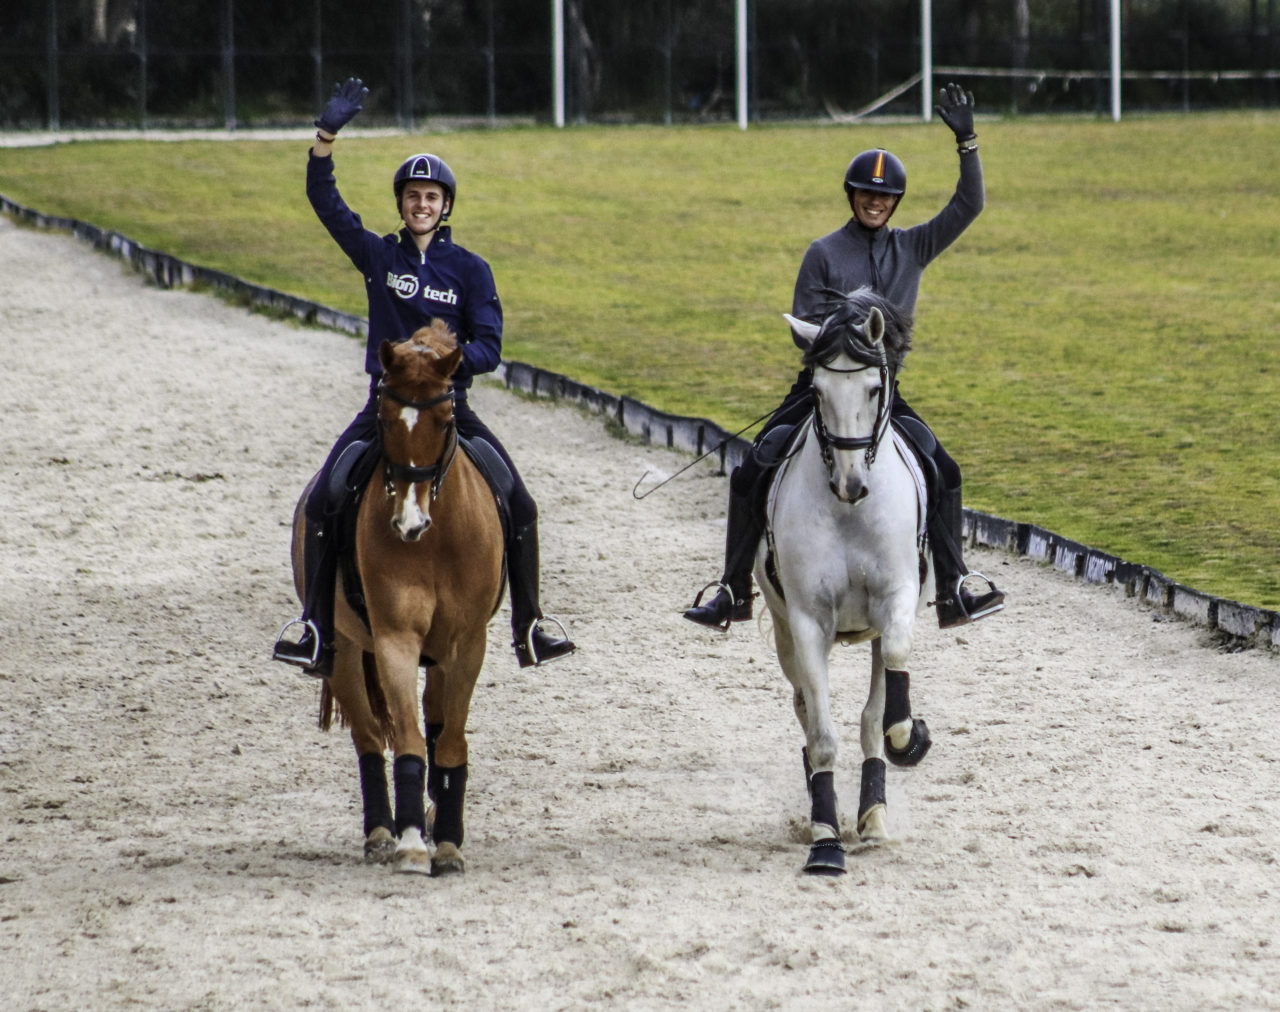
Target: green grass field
pixel 1099 350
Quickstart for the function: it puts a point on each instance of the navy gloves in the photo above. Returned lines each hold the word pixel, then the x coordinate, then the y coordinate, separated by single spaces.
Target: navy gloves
pixel 348 99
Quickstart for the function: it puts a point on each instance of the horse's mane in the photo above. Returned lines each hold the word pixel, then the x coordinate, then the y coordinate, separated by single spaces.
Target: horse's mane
pixel 842 312
pixel 425 348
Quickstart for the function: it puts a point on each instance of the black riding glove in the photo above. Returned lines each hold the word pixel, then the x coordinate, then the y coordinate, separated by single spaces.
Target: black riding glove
pixel 348 99
pixel 956 110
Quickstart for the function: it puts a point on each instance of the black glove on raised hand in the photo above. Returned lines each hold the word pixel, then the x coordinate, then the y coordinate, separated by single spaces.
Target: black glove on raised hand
pixel 348 99
pixel 956 110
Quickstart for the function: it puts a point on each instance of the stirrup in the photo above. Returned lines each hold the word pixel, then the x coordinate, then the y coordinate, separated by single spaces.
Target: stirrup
pixel 953 611
pixel 531 653
pixel 739 611
pixel 994 597
pixel 280 653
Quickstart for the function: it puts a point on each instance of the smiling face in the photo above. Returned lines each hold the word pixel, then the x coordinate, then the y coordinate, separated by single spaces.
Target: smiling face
pixel 873 208
pixel 422 202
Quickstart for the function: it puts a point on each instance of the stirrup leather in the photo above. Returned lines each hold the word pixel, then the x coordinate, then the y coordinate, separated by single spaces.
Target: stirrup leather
pixel 301 660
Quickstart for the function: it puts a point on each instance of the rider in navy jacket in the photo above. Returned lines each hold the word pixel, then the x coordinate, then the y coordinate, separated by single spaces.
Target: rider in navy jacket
pixel 407 287
pixel 411 278
pixel 866 251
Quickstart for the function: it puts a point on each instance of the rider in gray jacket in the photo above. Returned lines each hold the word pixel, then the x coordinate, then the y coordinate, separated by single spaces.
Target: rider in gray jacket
pixel 865 251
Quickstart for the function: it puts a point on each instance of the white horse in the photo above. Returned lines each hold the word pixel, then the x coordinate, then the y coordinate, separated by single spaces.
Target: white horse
pixel 843 559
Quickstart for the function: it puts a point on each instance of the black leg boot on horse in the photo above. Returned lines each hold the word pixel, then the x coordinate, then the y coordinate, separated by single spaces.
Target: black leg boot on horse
pixel 313 650
pixel 957 603
pixel 532 644
pixel 732 600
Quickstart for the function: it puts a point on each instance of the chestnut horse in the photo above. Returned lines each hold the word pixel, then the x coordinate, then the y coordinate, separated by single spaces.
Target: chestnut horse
pixel 429 552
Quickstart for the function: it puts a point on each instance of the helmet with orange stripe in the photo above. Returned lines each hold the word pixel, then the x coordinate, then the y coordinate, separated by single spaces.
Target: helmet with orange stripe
pixel 876 169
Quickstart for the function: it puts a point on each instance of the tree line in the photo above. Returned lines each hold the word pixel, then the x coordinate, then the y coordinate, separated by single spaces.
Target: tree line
pixel 236 62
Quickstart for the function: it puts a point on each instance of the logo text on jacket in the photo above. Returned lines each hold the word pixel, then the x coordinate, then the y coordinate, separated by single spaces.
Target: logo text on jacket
pixel 406 287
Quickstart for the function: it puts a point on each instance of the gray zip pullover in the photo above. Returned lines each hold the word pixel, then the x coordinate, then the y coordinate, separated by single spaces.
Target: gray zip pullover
pixel 890 260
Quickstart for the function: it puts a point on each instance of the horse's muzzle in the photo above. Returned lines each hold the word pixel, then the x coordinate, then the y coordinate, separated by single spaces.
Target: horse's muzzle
pixel 411 532
pixel 851 492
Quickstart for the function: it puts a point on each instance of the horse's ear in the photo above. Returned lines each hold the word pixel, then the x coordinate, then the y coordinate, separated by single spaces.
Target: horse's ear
pixel 875 325
pixel 450 363
pixel 384 355
pixel 802 332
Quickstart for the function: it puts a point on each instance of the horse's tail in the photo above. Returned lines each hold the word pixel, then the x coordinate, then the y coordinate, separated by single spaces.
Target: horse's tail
pixel 377 701
pixel 328 706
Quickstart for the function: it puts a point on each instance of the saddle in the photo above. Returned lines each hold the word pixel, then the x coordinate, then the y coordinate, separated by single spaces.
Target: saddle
pixel 923 443
pixel 782 441
pixel 344 493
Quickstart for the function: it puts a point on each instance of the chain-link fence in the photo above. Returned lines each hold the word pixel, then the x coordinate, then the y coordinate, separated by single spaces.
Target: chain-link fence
pixel 236 63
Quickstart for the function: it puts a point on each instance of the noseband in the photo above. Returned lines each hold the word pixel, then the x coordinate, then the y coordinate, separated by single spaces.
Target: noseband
pixel 435 473
pixel 827 442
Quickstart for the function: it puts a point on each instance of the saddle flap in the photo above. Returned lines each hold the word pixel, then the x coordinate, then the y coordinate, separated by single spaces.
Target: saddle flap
pixel 777 444
pixel 923 443
pixel 490 464
pixel 350 473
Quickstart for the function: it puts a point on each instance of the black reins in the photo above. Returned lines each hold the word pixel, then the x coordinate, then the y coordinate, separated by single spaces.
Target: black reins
pixel 434 473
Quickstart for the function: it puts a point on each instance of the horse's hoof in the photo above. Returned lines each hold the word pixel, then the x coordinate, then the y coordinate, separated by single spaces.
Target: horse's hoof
pixel 447 860
pixel 411 856
pixel 871 828
pixel 379 846
pixel 917 748
pixel 413 862
pixel 826 857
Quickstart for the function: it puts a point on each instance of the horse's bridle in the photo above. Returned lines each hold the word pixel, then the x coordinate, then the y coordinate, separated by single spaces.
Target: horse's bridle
pixel 435 473
pixel 871 443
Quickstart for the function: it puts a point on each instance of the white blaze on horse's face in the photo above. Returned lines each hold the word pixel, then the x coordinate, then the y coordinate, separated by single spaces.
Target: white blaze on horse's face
pixel 411 517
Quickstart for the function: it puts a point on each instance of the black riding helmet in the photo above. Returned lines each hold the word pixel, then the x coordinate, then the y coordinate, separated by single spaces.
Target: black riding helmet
pixel 876 169
pixel 430 167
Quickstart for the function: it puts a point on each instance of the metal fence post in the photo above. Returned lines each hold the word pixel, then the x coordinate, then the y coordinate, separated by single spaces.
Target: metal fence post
pixel 228 64
pixel 51 86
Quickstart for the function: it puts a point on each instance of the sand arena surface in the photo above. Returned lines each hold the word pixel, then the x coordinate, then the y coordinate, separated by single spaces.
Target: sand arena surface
pixel 1097 825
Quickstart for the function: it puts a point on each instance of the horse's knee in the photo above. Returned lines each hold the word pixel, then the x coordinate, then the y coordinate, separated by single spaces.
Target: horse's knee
pixel 896 647
pixel 823 748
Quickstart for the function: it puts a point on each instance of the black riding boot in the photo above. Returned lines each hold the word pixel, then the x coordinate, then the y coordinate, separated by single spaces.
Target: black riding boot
pixel 956 604
pixel 532 645
pixel 732 601
pixel 313 650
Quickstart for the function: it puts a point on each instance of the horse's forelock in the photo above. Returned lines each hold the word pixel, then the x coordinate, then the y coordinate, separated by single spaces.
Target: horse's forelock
pixel 417 359
pixel 843 314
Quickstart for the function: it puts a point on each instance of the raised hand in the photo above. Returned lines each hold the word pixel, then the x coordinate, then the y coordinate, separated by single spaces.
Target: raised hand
pixel 955 109
pixel 347 100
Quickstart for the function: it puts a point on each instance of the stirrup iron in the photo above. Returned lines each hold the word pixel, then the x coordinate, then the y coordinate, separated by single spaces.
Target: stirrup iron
pixel 997 605
pixel 734 603
pixel 298 659
pixel 533 627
